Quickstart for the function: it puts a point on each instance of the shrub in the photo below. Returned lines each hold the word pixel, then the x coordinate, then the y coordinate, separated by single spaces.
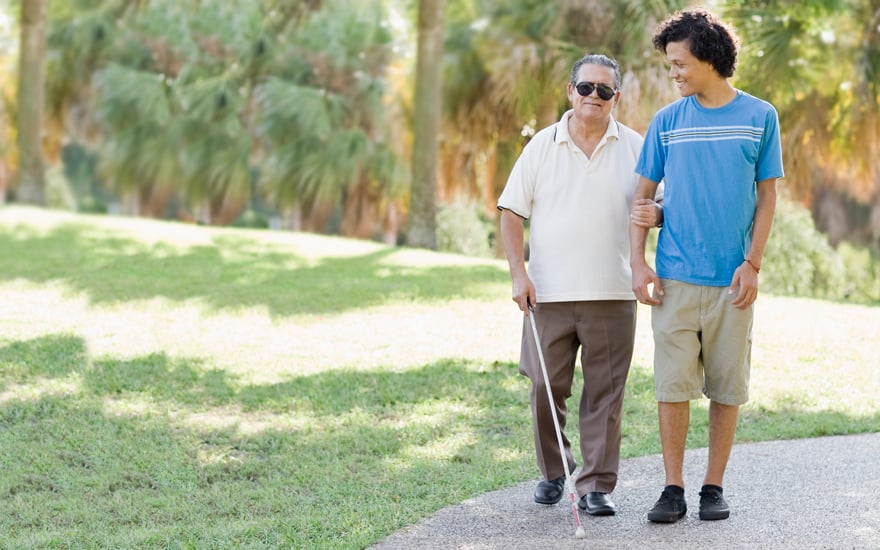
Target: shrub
pixel 462 228
pixel 251 219
pixel 862 267
pixel 799 260
pixel 58 191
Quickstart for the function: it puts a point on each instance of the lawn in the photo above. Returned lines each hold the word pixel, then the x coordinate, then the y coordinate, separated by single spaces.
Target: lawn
pixel 165 385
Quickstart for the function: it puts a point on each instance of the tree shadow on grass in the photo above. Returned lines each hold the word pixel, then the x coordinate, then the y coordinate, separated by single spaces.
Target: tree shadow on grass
pixel 49 356
pixel 415 440
pixel 368 452
pixel 232 272
pixel 55 356
pixel 181 380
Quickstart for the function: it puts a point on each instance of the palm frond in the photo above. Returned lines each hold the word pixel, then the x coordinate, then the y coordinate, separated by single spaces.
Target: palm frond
pixel 287 109
pixel 127 96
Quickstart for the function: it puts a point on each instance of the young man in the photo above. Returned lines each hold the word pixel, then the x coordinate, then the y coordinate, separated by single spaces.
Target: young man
pixel 574 182
pixel 718 151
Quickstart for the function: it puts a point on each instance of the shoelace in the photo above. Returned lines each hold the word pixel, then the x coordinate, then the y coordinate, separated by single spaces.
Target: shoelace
pixel 667 496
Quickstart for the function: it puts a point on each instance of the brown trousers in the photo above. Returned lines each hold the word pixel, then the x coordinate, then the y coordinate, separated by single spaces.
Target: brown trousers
pixel 605 333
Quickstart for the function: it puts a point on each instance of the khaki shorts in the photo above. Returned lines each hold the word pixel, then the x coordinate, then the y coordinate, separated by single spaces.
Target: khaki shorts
pixel 702 345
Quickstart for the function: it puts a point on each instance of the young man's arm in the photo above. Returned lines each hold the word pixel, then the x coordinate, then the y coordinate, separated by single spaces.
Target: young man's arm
pixel 642 274
pixel 746 276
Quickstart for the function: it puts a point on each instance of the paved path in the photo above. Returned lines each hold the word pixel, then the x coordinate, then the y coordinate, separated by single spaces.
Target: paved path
pixel 802 494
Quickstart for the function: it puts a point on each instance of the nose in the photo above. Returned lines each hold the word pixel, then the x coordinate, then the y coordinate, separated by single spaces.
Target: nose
pixel 673 72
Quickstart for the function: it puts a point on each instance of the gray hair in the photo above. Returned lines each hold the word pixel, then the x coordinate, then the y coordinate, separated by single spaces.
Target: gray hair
pixel 597 59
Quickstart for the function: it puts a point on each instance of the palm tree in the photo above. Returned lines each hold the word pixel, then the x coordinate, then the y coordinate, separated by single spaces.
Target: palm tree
pixel 321 122
pixel 426 124
pixel 502 76
pixel 824 58
pixel 197 65
pixel 135 111
pixel 507 67
pixel 31 178
pixel 7 110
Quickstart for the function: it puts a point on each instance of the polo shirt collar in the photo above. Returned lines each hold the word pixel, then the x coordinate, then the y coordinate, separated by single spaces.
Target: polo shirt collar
pixel 562 135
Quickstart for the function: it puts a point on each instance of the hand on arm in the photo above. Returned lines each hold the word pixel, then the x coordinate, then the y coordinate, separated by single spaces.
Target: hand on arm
pixel 524 291
pixel 745 278
pixel 642 274
pixel 646 213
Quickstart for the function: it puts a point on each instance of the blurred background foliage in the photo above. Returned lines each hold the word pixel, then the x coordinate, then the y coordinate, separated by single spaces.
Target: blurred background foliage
pixel 297 114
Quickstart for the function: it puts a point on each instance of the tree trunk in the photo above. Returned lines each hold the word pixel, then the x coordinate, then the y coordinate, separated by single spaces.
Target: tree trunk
pixel 316 217
pixel 293 218
pixel 227 210
pixel 4 175
pixel 359 212
pixel 875 224
pixel 490 199
pixel 32 76
pixel 426 126
pixel 390 224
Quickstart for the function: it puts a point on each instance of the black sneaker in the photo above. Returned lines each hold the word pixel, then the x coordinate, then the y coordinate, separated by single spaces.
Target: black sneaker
pixel 671 506
pixel 712 503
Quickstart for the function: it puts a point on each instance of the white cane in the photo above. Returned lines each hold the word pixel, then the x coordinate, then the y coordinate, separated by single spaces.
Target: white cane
pixel 572 492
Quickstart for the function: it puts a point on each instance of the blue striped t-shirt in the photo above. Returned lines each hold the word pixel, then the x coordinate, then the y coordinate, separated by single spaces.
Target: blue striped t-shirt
pixel 710 160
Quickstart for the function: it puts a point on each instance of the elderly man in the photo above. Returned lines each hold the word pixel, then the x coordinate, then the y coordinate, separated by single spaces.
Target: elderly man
pixel 574 183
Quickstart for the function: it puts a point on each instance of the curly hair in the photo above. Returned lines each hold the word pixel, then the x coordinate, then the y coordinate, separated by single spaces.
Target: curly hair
pixel 709 39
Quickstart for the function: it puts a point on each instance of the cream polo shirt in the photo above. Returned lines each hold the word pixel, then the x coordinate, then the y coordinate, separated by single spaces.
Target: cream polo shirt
pixel 578 209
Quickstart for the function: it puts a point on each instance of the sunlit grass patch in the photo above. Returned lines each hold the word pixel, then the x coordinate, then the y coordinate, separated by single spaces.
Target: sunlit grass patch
pixel 165 385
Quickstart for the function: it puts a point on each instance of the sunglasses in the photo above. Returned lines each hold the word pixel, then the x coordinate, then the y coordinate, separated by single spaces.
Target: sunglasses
pixel 604 91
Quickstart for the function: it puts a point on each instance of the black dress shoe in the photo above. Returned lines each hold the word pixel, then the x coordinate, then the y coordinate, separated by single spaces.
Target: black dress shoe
pixel 549 492
pixel 597 504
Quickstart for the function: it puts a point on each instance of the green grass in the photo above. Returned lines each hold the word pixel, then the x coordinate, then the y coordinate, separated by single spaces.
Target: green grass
pixel 171 386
